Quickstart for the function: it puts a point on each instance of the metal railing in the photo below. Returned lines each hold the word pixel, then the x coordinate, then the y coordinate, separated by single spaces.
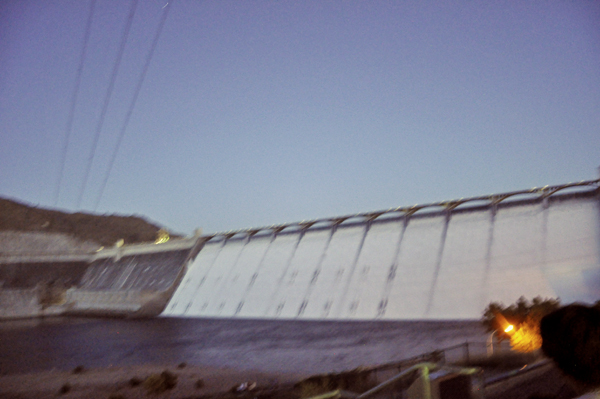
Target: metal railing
pixel 455 358
pixel 535 193
pixel 406 380
pixel 461 353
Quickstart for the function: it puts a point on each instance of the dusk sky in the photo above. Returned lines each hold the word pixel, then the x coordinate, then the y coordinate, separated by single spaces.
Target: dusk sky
pixel 255 113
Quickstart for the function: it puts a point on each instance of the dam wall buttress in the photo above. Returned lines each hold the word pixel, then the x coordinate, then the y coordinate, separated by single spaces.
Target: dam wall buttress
pixel 447 264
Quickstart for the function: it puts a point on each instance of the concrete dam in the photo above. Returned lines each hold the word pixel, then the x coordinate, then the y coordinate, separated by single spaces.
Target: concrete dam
pixel 445 260
pixel 404 264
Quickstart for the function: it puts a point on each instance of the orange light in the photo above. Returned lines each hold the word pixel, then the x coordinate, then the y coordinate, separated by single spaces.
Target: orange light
pixel 504 324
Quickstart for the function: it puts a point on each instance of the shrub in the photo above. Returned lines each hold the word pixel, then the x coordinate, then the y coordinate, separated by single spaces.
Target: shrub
pixel 527 337
pixel 135 381
pixel 158 383
pixel 357 380
pixel 66 387
pixel 525 316
pixel 78 370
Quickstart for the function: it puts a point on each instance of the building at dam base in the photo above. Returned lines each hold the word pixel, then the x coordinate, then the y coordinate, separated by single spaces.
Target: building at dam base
pixel 443 264
pixel 446 260
pixel 134 281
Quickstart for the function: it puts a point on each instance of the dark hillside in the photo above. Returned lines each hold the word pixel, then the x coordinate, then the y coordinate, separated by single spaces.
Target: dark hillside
pixel 105 230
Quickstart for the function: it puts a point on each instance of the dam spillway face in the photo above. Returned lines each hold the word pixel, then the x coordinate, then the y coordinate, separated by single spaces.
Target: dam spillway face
pixel 439 265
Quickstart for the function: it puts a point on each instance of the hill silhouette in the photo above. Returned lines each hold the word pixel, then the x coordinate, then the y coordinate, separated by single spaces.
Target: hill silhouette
pixel 102 229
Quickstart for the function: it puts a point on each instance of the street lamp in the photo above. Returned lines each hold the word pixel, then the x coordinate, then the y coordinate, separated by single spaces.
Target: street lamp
pixel 490 340
pixel 490 344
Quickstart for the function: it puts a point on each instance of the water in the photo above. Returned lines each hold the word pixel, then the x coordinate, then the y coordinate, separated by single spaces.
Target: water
pixel 300 346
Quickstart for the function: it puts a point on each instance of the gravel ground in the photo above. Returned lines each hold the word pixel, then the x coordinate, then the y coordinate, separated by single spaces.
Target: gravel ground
pixel 128 382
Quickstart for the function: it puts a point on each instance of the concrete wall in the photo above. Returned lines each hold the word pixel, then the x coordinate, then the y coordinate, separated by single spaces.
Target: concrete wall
pixel 84 301
pixel 439 265
pixel 18 303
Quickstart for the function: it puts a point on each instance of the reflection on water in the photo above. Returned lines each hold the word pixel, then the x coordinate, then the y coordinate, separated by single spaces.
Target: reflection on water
pixel 266 345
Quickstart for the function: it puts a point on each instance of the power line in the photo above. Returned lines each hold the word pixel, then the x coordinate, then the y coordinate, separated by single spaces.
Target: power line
pixel 134 100
pixel 86 37
pixel 111 85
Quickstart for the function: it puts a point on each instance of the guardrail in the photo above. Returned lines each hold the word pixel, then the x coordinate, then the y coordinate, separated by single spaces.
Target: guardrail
pixel 535 193
pixel 453 360
pixel 421 380
pixel 461 353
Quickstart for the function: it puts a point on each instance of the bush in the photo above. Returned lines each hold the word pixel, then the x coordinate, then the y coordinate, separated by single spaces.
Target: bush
pixel 357 380
pixel 159 383
pixel 135 381
pixel 78 370
pixel 525 316
pixel 66 387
